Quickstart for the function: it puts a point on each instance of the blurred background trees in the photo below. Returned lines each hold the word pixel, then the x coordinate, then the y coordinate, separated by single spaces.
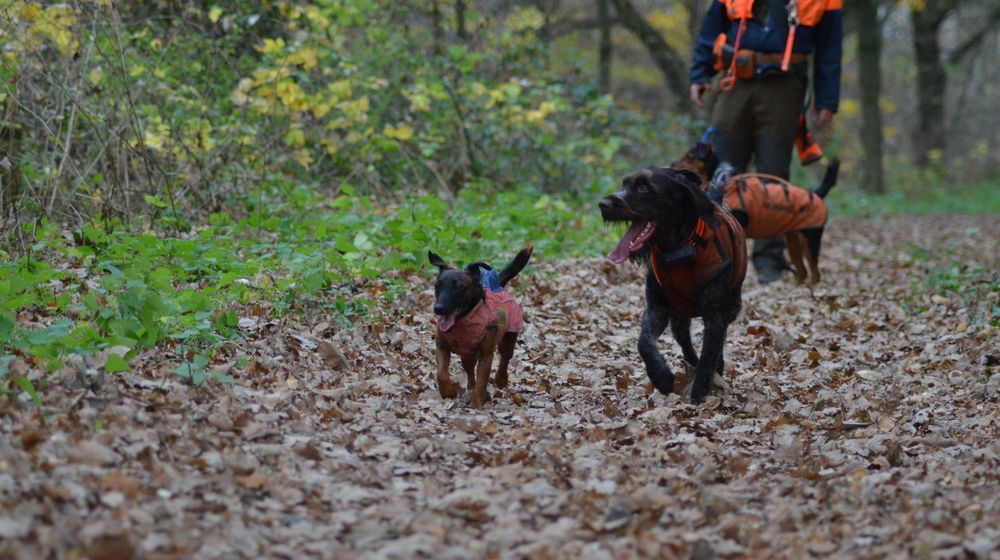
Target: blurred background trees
pixel 168 110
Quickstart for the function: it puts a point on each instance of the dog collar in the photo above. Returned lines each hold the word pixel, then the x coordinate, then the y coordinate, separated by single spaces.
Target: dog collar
pixel 697 238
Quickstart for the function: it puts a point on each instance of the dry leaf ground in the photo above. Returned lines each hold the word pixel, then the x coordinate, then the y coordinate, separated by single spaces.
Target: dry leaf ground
pixel 859 420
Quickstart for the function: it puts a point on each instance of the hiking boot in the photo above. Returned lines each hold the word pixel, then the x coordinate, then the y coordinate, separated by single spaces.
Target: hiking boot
pixel 768 274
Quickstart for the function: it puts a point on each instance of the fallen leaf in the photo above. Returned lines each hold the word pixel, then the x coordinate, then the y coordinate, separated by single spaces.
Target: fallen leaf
pixel 331 356
pixel 253 481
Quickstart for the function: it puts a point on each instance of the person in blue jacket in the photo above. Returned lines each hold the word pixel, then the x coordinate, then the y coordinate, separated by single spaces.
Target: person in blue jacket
pixel 762 49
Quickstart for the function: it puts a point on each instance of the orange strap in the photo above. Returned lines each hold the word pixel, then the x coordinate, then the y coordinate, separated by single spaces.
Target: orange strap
pixel 793 22
pixel 729 80
pixel 788 48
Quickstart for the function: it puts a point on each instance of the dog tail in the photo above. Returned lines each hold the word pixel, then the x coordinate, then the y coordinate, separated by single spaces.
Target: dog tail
pixel 516 265
pixel 829 179
pixel 717 185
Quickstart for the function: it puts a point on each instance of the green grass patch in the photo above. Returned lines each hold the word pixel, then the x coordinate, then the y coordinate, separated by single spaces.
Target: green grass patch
pixel 978 198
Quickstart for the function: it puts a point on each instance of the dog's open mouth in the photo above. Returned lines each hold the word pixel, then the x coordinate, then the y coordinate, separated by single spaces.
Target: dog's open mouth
pixel 632 242
pixel 446 322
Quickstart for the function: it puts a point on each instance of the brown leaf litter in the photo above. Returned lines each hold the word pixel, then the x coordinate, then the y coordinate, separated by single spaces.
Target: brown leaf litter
pixel 858 419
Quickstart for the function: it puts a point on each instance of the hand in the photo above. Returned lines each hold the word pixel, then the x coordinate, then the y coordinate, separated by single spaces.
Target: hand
pixel 697 90
pixel 822 118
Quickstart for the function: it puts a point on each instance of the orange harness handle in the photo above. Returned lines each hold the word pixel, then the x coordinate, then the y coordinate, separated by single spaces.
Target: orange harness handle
pixel 729 80
pixel 793 22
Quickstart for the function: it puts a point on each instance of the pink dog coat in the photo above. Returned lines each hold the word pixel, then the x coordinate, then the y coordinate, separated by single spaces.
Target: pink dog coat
pixel 499 309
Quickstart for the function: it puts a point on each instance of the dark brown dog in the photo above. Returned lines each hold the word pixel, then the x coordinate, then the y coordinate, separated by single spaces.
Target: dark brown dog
pixel 768 206
pixel 476 317
pixel 695 255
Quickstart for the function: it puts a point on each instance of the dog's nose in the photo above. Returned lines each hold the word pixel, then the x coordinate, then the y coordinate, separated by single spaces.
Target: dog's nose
pixel 438 309
pixel 609 202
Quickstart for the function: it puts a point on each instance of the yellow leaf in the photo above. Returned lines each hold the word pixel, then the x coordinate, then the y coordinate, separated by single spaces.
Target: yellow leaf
pixel 303 157
pixel 30 11
pixel 295 137
pixel 95 76
pixel 849 107
pixel 214 14
pixel 403 133
pixel 304 57
pixel 341 89
pixel 272 46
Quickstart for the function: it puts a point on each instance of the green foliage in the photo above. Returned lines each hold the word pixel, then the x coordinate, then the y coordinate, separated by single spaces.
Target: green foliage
pixel 207 104
pixel 346 253
pixel 921 197
pixel 942 273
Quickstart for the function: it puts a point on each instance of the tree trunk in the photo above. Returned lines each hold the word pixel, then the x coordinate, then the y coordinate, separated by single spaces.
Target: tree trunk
pixel 696 12
pixel 931 80
pixel 10 170
pixel 460 28
pixel 870 78
pixel 604 50
pixel 437 27
pixel 670 63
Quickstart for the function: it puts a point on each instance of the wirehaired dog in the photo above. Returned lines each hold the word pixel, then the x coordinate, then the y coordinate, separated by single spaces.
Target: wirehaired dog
pixel 695 255
pixel 476 317
pixel 768 206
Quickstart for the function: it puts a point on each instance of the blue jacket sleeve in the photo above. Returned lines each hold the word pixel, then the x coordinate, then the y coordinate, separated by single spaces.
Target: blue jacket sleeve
pixel 702 61
pixel 827 54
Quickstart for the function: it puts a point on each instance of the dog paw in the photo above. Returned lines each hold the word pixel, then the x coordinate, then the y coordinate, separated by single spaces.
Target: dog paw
pixel 448 390
pixel 501 381
pixel 696 399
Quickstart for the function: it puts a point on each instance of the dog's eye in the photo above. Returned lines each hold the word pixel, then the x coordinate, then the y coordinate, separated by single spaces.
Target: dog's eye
pixel 457 283
pixel 642 188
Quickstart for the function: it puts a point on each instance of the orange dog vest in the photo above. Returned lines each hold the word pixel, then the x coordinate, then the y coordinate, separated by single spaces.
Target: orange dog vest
pixel 718 249
pixel 774 206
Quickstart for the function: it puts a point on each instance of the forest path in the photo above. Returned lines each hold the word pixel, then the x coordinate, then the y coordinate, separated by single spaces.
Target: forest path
pixel 861 419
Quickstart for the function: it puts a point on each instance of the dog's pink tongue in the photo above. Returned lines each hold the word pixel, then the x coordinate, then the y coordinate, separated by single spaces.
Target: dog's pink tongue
pixel 446 322
pixel 624 248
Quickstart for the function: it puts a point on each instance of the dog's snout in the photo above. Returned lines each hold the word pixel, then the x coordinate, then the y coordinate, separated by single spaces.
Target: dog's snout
pixel 610 202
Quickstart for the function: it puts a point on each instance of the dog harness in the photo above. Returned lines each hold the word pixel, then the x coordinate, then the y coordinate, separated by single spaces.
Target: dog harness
pixel 774 206
pixel 718 249
pixel 497 309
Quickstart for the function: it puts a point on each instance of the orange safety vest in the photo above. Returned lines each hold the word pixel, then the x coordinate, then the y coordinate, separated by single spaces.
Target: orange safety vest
pixel 810 12
pixel 718 249
pixel 774 206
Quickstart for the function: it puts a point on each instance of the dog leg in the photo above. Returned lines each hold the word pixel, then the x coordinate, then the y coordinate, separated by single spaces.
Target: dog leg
pixel 794 242
pixel 485 363
pixel 811 260
pixel 469 365
pixel 813 238
pixel 446 386
pixel 506 351
pixel 681 329
pixel 654 322
pixel 711 358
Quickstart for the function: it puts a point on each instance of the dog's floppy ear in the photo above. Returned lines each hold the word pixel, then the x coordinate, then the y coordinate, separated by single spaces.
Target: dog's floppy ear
pixel 691 182
pixel 688 177
pixel 437 261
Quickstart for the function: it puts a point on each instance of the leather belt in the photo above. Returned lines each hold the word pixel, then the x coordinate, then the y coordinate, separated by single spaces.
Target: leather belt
pixel 775 58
